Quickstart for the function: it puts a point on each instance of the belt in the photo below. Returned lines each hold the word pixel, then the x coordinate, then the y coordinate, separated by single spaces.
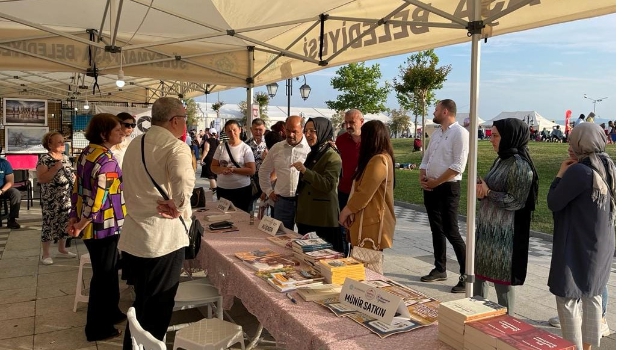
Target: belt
pixel 287 198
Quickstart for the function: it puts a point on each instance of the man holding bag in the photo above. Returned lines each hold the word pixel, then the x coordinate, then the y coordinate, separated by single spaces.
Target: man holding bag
pixel 153 244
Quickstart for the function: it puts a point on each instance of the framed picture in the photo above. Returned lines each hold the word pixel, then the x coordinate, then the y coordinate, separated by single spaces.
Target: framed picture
pixel 24 112
pixel 20 139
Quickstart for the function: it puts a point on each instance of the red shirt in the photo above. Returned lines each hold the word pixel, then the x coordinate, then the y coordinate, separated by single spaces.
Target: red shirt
pixel 349 151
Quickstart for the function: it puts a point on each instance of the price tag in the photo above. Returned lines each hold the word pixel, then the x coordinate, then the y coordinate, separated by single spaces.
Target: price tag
pixel 269 225
pixel 225 205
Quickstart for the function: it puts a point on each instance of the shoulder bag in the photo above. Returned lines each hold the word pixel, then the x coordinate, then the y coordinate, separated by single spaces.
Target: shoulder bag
pixel 194 232
pixel 198 198
pixel 371 258
pixel 255 189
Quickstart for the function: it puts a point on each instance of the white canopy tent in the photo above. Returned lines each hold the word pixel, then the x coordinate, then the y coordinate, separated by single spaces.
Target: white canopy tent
pixel 532 118
pixel 167 47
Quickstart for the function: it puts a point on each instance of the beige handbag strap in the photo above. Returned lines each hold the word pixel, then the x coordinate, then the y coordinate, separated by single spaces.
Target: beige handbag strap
pixel 360 241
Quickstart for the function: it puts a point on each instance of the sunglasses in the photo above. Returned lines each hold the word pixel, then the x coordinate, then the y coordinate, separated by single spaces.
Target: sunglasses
pixel 129 125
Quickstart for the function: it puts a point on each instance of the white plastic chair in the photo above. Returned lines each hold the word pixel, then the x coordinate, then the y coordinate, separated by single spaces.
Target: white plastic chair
pixel 84 260
pixel 196 293
pixel 209 334
pixel 141 339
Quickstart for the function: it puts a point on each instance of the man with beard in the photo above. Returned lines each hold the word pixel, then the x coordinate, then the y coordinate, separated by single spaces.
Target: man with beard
pixel 348 145
pixel 280 158
pixel 441 170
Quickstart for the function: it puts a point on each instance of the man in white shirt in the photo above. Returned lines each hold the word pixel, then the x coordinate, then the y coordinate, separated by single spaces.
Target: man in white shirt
pixel 441 170
pixel 280 158
pixel 152 244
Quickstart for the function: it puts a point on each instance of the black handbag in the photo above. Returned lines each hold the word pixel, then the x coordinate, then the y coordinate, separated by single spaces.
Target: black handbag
pixel 195 232
pixel 198 199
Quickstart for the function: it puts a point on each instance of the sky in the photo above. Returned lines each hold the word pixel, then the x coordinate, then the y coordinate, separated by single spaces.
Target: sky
pixel 547 69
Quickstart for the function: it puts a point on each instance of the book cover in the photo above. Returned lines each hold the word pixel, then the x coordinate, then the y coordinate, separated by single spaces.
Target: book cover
pixel 320 292
pixel 290 287
pixel 284 240
pixel 324 254
pixel 490 329
pixel 424 311
pixel 534 339
pixel 293 276
pixel 267 263
pixel 469 309
pixel 255 254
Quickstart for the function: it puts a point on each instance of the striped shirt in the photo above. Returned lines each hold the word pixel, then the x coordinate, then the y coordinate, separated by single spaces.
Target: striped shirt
pixel 97 193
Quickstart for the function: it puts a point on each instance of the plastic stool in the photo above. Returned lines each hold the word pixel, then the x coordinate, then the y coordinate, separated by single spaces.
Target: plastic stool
pixel 84 260
pixel 209 334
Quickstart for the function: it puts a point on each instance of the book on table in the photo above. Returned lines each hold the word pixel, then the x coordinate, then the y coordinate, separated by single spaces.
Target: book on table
pixel 254 254
pixel 535 338
pixel 268 263
pixel 470 309
pixel 310 244
pixel 290 278
pixel 285 240
pixel 488 330
pixel 320 292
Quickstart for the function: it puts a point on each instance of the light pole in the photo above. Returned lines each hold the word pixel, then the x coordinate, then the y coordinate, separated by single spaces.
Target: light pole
pixel 305 91
pixel 594 100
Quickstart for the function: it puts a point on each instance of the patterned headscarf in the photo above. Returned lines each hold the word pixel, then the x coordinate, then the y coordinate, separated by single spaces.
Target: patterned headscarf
pixel 588 142
pixel 514 138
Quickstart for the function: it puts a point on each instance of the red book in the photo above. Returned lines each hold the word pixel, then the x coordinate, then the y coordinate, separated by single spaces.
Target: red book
pixel 535 339
pixel 488 330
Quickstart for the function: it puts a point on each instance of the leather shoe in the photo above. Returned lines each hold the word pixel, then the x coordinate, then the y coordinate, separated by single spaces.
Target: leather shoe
pixel 13 224
pixel 434 275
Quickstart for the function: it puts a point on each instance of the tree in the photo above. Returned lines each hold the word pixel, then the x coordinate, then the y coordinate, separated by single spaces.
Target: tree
pixel 359 87
pixel 192 111
pixel 400 122
pixel 417 81
pixel 262 99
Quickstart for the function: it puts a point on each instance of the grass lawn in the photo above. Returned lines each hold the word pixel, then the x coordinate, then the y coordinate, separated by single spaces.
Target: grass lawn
pixel 546 156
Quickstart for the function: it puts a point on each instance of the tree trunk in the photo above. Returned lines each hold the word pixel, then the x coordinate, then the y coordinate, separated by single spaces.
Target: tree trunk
pixel 415 125
pixel 424 111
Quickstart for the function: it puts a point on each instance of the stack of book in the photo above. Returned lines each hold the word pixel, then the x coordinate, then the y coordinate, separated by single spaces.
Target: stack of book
pixel 284 240
pixel 484 334
pixel 536 338
pixel 309 245
pixel 452 316
pixel 265 260
pixel 335 271
pixel 313 257
pixel 320 292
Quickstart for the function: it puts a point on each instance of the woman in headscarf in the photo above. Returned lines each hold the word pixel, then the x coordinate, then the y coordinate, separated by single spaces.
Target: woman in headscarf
pixel 508 196
pixel 317 209
pixel 582 199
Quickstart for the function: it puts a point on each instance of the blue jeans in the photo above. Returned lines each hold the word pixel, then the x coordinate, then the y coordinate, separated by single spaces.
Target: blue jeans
pixel 284 210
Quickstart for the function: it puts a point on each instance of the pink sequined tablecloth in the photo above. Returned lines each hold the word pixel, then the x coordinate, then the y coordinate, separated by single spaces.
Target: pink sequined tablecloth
pixel 301 325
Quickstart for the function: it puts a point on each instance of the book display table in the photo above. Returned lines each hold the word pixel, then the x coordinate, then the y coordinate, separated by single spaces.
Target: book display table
pixel 300 325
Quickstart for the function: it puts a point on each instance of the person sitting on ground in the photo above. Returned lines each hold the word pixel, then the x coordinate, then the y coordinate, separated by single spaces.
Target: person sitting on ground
pixel 556 134
pixel 8 192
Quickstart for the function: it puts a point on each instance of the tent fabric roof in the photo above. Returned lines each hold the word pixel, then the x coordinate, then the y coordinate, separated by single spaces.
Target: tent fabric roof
pixel 532 118
pixel 168 47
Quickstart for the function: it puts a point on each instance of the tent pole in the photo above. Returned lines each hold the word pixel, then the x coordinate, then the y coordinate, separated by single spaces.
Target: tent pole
pixel 249 90
pixel 472 160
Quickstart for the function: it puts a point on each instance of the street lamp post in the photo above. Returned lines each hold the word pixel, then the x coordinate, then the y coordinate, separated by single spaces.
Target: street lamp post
pixel 305 91
pixel 594 100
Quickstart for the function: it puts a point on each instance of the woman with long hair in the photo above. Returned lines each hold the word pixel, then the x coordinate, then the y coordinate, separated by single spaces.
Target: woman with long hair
pixel 508 195
pixel 582 199
pixel 55 176
pixel 369 211
pixel 234 164
pixel 97 213
pixel 317 209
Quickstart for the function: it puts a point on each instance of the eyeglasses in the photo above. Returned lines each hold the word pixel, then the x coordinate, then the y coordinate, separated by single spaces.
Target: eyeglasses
pixel 128 125
pixel 180 116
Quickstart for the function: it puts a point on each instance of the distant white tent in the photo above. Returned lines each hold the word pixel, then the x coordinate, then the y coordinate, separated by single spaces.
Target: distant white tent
pixel 532 118
pixel 463 119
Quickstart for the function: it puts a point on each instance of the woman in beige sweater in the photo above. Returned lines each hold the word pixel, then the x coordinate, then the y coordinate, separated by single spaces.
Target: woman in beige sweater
pixel 371 200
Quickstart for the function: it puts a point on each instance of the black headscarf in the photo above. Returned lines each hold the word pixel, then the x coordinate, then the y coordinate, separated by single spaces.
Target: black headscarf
pixel 324 132
pixel 514 138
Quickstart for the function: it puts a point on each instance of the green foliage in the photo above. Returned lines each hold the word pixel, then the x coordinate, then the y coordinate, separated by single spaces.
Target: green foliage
pixel 546 157
pixel 216 106
pixel 337 120
pixel 359 89
pixel 192 111
pixel 418 80
pixel 400 122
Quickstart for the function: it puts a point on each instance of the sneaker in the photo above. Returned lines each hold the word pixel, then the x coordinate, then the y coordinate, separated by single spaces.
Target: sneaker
pixel 13 224
pixel 555 321
pixel 47 261
pixel 460 287
pixel 604 328
pixel 434 275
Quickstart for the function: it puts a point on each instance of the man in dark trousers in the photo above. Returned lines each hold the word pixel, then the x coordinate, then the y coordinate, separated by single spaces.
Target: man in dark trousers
pixel 441 170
